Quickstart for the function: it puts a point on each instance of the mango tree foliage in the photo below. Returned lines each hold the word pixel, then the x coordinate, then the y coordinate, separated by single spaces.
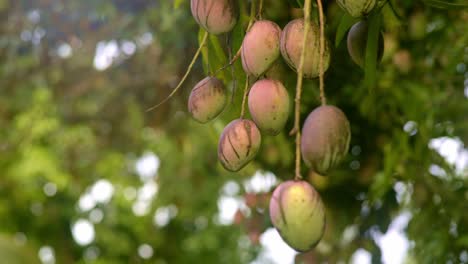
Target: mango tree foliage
pixel 76 79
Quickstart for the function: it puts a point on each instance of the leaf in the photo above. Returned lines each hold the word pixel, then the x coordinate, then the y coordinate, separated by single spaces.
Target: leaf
pixel 204 51
pixel 447 4
pixel 346 22
pixel 217 56
pixel 462 241
pixel 237 37
pixel 392 20
pixel 213 55
pixel 177 3
pixel 370 61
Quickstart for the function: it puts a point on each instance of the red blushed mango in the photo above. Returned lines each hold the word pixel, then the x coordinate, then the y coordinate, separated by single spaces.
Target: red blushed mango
pixel 269 105
pixel 207 99
pixel 291 48
pixel 215 16
pixel 298 213
pixel 325 138
pixel 239 144
pixel 260 47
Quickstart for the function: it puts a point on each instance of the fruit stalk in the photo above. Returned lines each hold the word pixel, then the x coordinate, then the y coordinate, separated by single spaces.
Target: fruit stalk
pixel 233 76
pixel 252 15
pixel 260 10
pixel 297 111
pixel 244 97
pixel 189 69
pixel 323 99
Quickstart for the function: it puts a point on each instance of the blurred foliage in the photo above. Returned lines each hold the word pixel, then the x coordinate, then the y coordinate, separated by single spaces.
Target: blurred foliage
pixel 65 124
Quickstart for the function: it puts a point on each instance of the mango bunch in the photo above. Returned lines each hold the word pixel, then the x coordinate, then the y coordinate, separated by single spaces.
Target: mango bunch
pixel 296 209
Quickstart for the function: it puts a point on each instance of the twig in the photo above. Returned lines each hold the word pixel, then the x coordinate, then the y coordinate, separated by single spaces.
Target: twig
pixel 260 10
pixel 300 70
pixel 244 98
pixel 252 15
pixel 323 98
pixel 189 69
pixel 233 76
pixel 231 62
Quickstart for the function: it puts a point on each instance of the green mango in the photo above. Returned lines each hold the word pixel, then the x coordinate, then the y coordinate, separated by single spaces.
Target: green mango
pixel 298 213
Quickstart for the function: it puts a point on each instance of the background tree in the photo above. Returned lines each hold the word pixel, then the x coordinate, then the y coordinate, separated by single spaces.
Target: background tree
pixel 79 155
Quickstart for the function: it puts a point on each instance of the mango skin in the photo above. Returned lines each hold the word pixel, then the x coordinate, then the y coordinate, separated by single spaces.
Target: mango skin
pixel 207 99
pixel 215 16
pixel 357 42
pixel 298 213
pixel 291 48
pixel 269 105
pixel 260 47
pixel 357 8
pixel 238 144
pixel 325 138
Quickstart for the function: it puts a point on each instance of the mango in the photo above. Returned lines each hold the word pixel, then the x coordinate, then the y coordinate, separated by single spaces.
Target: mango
pixel 298 213
pixel 357 8
pixel 207 99
pixel 291 48
pixel 260 47
pixel 215 16
pixel 357 42
pixel 269 105
pixel 238 144
pixel 325 138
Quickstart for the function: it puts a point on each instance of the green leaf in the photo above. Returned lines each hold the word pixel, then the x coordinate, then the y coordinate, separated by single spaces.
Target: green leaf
pixel 370 62
pixel 447 4
pixel 217 57
pixel 213 55
pixel 346 22
pixel 237 36
pixel 204 51
pixel 462 241
pixel 177 3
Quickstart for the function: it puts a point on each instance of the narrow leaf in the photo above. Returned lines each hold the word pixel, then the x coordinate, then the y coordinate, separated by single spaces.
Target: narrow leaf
pixel 346 22
pixel 204 52
pixel 370 62
pixel 217 56
pixel 447 4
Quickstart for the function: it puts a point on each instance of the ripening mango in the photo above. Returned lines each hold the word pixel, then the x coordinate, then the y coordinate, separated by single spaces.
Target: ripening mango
pixel 260 47
pixel 215 16
pixel 298 213
pixel 269 105
pixel 207 99
pixel 291 48
pixel 325 138
pixel 238 144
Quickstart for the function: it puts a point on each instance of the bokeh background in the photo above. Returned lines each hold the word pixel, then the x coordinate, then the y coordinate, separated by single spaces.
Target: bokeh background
pixel 88 176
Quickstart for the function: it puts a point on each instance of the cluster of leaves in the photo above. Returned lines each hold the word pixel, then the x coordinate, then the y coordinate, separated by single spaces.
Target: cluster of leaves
pixel 64 122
